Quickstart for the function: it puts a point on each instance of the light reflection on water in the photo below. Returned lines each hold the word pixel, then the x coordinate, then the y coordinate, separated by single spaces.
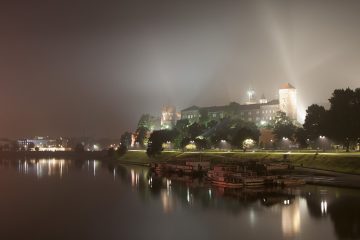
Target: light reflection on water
pixel 308 212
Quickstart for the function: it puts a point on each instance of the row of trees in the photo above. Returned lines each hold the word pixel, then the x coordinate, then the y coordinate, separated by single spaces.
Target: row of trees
pixel 226 133
pixel 341 123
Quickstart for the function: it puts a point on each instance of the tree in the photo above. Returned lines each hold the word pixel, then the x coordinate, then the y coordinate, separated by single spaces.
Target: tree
pixel 201 143
pixel 301 137
pixel 125 139
pixel 157 139
pixel 195 130
pixel 283 126
pixel 343 120
pixel 240 135
pixel 122 149
pixel 314 121
pixel 147 121
pixel 141 136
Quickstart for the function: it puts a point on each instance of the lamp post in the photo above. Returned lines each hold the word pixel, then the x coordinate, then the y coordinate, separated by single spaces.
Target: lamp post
pixel 285 141
pixel 322 140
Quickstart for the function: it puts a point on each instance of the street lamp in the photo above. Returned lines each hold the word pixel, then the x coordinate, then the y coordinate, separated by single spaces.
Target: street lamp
pixel 322 142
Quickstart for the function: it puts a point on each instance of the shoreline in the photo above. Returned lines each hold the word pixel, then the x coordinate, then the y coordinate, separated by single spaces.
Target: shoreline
pixel 320 169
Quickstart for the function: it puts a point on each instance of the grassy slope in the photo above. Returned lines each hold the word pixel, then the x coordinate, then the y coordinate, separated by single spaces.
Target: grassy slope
pixel 346 163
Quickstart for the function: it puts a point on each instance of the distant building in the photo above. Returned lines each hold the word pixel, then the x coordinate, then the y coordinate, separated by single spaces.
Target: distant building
pixel 43 143
pixel 259 113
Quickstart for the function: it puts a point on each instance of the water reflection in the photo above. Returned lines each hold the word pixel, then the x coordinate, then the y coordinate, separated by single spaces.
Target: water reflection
pixel 290 219
pixel 50 167
pixel 290 212
pixel 293 204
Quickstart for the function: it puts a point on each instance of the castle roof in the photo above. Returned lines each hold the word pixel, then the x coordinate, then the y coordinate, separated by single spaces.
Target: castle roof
pixel 287 86
pixel 192 108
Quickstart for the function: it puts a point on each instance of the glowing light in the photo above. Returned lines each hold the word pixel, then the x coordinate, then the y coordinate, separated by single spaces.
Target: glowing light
pixel 94 168
pixel 291 219
pixel 323 207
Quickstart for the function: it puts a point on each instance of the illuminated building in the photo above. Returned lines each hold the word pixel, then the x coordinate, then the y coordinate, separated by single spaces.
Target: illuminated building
pixel 43 144
pixel 169 116
pixel 288 100
pixel 258 112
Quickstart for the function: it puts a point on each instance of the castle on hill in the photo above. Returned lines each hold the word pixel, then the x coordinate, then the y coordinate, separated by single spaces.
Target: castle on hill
pixel 259 112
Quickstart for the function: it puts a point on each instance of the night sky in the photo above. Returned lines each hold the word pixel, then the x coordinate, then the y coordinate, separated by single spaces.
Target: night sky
pixel 75 68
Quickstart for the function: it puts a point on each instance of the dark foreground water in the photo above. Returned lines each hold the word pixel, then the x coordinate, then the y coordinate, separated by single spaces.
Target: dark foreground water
pixel 60 199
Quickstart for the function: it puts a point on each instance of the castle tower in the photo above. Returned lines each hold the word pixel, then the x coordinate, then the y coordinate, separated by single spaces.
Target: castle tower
pixel 288 100
pixel 168 117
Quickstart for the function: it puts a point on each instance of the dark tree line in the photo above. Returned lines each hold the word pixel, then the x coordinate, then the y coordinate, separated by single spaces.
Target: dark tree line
pixel 341 123
pixel 203 135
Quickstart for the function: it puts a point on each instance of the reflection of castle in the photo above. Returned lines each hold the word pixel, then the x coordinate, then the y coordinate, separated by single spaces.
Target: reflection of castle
pixel 258 112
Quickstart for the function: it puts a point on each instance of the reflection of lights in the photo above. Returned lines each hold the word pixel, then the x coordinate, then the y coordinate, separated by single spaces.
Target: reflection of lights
pixel 150 182
pixel 291 219
pixel 114 173
pixel 252 217
pixel 210 193
pixel 39 167
pixel 168 185
pixel 323 207
pixel 188 195
pixel 132 172
pixel 134 178
pixel 94 168
pixel 61 168
pixel 167 202
pixel 286 202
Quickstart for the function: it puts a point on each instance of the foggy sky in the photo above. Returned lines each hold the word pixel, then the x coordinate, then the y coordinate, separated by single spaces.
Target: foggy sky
pixel 91 68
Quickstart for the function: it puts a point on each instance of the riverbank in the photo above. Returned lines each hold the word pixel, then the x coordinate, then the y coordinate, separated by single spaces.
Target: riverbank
pixel 337 162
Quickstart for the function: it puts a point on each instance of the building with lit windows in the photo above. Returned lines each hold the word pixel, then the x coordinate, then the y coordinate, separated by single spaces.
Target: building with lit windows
pixel 259 112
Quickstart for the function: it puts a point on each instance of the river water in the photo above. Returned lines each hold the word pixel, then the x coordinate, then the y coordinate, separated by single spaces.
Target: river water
pixel 67 199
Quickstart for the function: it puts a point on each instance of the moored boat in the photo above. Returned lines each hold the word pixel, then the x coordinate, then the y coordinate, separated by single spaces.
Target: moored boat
pixel 228 182
pixel 290 181
pixel 253 181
